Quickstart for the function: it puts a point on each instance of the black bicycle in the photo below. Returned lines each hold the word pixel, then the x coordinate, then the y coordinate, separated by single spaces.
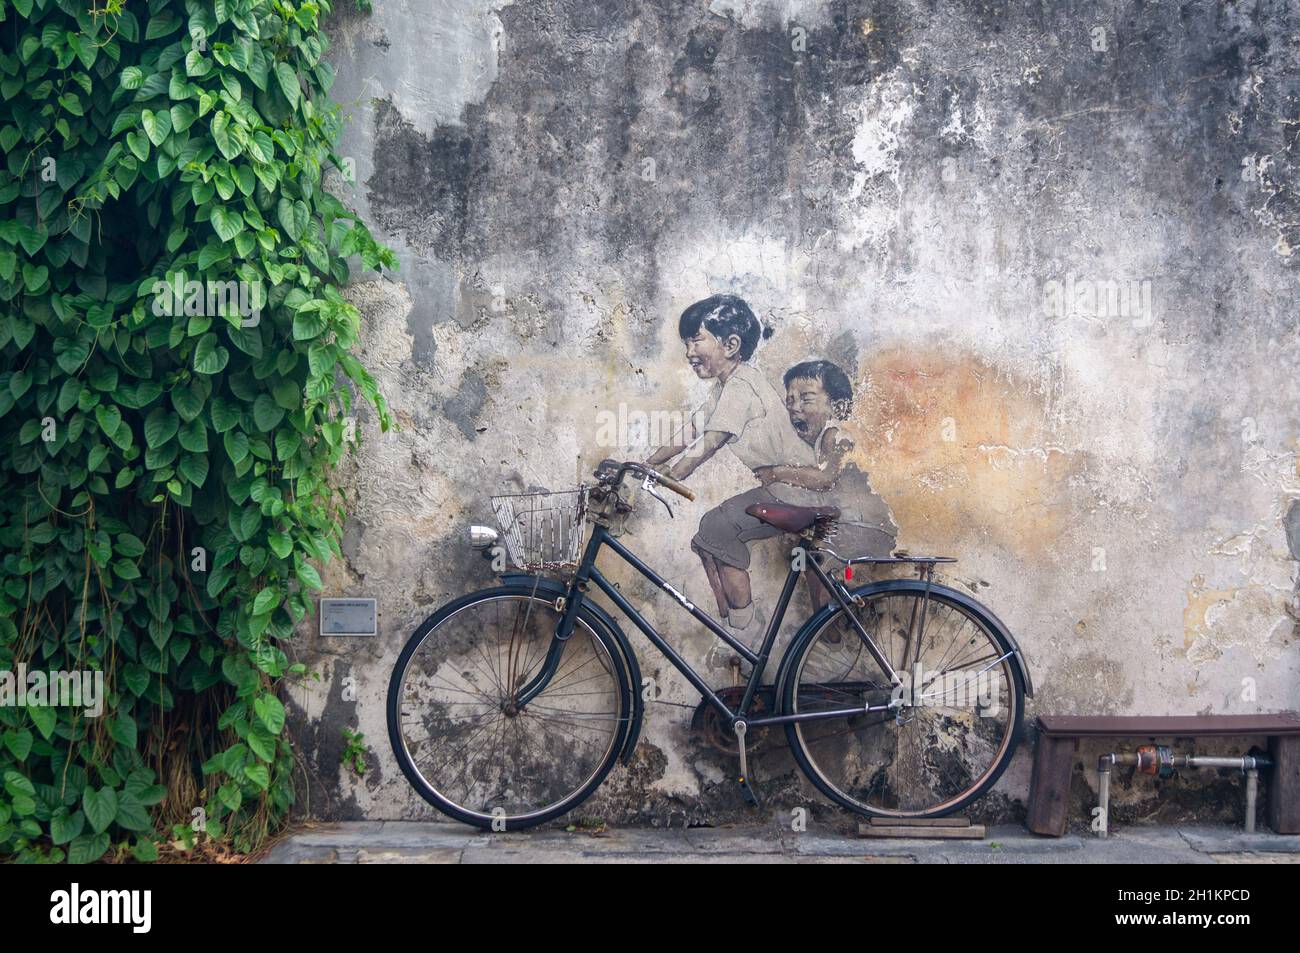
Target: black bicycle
pixel 509 706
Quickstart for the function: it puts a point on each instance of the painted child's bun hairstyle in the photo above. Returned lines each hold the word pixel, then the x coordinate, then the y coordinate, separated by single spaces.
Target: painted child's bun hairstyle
pixel 722 316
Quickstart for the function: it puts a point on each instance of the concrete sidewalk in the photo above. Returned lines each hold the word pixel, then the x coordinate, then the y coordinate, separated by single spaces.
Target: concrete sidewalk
pixel 362 842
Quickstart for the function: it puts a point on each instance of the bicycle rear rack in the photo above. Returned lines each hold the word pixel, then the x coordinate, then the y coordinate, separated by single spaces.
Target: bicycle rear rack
pixel 924 564
pixel 886 560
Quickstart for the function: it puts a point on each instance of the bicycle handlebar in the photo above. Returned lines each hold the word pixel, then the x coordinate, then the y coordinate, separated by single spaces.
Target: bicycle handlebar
pixel 632 466
pixel 676 486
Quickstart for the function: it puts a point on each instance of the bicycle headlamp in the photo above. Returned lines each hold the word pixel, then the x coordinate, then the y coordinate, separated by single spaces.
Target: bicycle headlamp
pixel 481 537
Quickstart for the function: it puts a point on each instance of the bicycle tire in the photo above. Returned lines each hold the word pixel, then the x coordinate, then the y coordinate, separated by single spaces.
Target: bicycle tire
pixel 807 638
pixel 484 820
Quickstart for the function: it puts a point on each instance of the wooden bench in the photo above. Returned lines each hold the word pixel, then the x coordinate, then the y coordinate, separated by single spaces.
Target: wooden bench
pixel 1059 736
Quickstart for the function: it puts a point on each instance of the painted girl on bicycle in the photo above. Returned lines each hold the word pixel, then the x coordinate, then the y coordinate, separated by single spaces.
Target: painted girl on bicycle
pixel 746 414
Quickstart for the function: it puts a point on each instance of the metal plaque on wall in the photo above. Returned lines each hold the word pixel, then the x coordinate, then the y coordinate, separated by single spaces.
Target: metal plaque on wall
pixel 347 617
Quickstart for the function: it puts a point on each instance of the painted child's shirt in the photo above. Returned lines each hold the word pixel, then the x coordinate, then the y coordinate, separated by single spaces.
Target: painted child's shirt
pixel 753 411
pixel 858 502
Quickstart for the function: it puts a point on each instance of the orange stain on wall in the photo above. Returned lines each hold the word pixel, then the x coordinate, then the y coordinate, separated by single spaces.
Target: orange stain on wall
pixel 960 450
pixel 1200 601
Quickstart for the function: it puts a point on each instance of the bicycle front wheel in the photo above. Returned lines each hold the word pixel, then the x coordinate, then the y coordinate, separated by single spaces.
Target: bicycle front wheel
pixel 954 734
pixel 463 741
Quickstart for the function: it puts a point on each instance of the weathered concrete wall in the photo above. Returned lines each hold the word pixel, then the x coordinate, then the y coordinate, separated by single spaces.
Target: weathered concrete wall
pixel 937 196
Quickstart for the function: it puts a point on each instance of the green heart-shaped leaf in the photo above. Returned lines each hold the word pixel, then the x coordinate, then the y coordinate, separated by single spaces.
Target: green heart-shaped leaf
pixel 288 82
pixel 100 807
pixel 266 413
pixel 157 125
pixel 138 144
pixel 159 427
pixel 227 223
pixel 209 356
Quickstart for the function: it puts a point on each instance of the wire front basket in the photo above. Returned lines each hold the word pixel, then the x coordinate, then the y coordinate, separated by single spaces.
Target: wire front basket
pixel 543 531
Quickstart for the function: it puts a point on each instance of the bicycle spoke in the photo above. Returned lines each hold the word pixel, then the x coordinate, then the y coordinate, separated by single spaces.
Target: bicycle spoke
pixel 459 721
pixel 953 726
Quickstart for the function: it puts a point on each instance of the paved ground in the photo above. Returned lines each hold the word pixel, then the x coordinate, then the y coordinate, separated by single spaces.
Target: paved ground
pixel 420 842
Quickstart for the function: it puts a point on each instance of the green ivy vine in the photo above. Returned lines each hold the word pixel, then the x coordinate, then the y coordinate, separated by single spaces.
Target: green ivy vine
pixel 175 387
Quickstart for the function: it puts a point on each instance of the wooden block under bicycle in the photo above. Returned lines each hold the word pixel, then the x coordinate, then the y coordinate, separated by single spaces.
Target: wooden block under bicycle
pixel 931 828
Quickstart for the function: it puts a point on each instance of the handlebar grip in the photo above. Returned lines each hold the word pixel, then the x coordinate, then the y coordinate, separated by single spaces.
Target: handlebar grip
pixel 681 489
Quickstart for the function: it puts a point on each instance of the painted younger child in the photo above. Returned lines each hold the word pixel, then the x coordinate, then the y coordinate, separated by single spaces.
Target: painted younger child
pixel 747 415
pixel 818 398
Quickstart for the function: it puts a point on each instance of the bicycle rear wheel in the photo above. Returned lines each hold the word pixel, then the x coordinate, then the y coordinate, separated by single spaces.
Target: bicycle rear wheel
pixel 954 736
pixel 464 743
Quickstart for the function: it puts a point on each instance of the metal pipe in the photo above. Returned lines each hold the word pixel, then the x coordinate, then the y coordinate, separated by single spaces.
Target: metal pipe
pixel 1252 788
pixel 1244 762
pixel 1103 797
pixel 1160 761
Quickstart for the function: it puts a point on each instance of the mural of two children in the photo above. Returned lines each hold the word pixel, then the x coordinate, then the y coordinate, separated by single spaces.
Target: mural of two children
pixel 796 445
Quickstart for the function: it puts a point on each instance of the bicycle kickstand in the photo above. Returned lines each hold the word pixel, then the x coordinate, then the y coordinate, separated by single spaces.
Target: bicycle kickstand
pixel 746 789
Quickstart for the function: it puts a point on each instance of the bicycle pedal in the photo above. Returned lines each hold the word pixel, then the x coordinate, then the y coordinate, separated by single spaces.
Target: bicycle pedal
pixel 748 793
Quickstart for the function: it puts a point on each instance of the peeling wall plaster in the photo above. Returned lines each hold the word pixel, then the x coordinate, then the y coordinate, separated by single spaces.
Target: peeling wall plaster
pixel 561 179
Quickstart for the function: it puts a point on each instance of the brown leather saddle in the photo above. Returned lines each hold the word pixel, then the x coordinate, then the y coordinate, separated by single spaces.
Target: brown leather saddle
pixel 791 519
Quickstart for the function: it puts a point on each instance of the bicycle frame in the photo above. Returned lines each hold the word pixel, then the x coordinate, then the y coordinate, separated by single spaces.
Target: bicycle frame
pixel 588 573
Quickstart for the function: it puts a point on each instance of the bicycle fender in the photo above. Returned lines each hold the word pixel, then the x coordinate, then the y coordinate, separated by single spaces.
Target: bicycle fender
pixel 916 585
pixel 555 588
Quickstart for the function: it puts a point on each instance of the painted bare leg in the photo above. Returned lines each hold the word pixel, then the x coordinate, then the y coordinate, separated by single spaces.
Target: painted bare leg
pixel 735 584
pixel 715 582
pixel 817 593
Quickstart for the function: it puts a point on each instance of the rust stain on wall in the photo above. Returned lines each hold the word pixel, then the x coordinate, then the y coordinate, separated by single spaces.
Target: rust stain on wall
pixel 1199 602
pixel 960 450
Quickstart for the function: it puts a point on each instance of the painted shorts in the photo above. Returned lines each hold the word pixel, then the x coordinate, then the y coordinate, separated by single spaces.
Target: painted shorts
pixel 727 530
